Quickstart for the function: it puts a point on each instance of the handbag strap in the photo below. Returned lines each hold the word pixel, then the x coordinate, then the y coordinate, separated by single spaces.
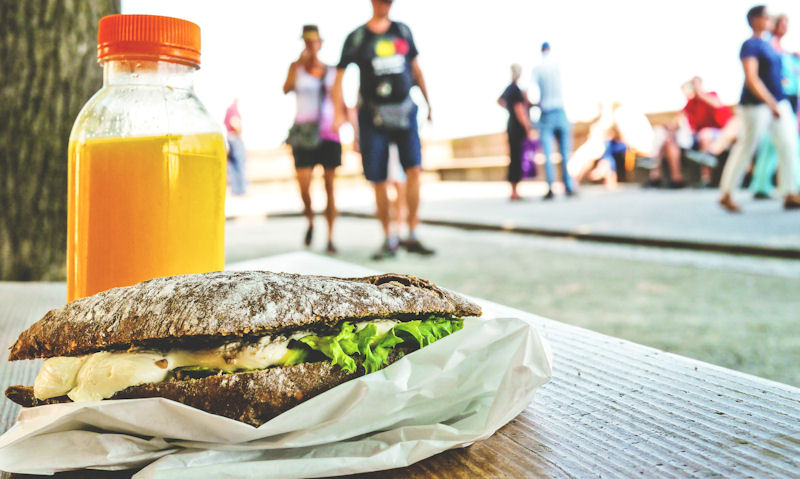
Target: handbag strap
pixel 322 90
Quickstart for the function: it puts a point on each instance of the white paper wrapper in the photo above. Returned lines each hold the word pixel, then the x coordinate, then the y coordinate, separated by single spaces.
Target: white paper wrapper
pixel 459 390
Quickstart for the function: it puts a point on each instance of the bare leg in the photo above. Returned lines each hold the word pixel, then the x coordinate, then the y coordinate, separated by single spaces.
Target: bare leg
pixel 330 208
pixel 412 196
pixel 514 193
pixel 585 171
pixel 705 139
pixel 726 136
pixel 604 172
pixel 583 158
pixel 304 181
pixel 672 153
pixel 658 159
pixel 393 205
pixel 382 203
pixel 400 206
pixel 610 180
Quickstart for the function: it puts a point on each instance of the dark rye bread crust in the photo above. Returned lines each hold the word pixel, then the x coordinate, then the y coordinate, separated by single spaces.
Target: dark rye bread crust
pixel 252 397
pixel 177 310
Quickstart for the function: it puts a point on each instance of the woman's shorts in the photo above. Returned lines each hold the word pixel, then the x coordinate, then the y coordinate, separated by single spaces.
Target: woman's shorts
pixel 328 154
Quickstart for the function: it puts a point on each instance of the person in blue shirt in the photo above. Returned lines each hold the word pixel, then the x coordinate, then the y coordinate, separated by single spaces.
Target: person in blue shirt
pixel 767 160
pixel 553 123
pixel 763 109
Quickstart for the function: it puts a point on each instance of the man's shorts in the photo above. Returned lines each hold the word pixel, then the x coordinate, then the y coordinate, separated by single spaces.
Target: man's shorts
pixel 375 143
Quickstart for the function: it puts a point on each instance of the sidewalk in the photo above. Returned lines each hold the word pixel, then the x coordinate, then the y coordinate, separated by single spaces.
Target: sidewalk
pixel 689 219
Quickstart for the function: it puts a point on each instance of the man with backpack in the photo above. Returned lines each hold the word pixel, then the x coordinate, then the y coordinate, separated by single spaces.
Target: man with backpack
pixel 386 56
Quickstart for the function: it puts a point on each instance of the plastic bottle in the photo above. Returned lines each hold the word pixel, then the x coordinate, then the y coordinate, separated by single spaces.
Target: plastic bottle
pixel 146 162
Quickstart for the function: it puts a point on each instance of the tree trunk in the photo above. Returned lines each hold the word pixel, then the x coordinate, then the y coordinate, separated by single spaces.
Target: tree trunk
pixel 48 70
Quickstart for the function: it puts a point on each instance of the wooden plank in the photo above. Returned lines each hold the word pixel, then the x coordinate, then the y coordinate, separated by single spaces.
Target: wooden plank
pixel 613 408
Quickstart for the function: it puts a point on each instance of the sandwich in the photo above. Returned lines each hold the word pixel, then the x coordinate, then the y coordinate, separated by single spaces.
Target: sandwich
pixel 246 345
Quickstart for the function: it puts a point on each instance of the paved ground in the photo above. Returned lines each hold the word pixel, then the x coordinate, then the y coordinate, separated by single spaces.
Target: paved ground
pixel 736 311
pixel 629 212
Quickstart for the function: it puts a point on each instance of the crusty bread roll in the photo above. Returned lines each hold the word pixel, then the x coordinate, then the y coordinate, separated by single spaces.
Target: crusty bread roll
pixel 203 310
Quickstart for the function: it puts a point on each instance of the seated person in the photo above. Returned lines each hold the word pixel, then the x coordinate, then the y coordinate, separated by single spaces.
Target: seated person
pixel 708 119
pixel 618 130
pixel 704 129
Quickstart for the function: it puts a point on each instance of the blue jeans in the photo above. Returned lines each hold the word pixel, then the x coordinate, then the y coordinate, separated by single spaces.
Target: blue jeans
pixel 553 124
pixel 614 148
pixel 236 160
pixel 374 145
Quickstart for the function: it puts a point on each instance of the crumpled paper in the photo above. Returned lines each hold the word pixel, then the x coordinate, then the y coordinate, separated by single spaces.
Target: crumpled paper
pixel 459 390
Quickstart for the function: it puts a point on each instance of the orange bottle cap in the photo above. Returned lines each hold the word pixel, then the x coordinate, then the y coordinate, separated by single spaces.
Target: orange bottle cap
pixel 149 37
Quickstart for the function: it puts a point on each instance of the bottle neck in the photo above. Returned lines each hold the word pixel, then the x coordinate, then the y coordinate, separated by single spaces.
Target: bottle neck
pixel 148 72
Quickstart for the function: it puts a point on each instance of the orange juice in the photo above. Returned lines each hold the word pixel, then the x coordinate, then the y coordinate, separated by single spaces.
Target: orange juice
pixel 144 207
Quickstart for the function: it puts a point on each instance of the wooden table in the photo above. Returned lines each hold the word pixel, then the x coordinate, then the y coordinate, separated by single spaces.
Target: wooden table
pixel 612 409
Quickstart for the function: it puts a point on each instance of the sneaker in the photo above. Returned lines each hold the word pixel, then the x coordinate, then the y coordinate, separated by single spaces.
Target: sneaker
pixel 386 251
pixel 549 195
pixel 412 245
pixel 705 159
pixel 571 193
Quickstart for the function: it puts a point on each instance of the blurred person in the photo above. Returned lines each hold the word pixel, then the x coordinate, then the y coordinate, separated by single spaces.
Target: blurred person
pixel 618 131
pixel 553 123
pixel 313 138
pixel 666 148
pixel 704 128
pixel 767 158
pixel 763 109
pixel 237 156
pixel 386 55
pixel 711 123
pixel 518 128
pixel 395 178
pixel 790 62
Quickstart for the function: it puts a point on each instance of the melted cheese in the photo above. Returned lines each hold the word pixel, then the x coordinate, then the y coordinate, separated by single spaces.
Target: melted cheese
pixel 57 376
pixel 100 375
pixel 105 373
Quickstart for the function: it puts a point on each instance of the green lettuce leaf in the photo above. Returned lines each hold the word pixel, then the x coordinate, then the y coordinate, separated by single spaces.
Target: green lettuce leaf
pixel 348 348
pixel 334 346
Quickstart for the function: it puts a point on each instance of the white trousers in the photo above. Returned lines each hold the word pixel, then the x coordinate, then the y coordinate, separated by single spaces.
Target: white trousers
pixel 757 122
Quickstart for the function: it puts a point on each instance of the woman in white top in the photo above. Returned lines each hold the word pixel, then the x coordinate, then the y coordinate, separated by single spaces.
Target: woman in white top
pixel 314 140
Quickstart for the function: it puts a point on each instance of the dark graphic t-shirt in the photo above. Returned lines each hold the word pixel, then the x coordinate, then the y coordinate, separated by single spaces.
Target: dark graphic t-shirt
pixel 384 61
pixel 769 69
pixel 511 96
